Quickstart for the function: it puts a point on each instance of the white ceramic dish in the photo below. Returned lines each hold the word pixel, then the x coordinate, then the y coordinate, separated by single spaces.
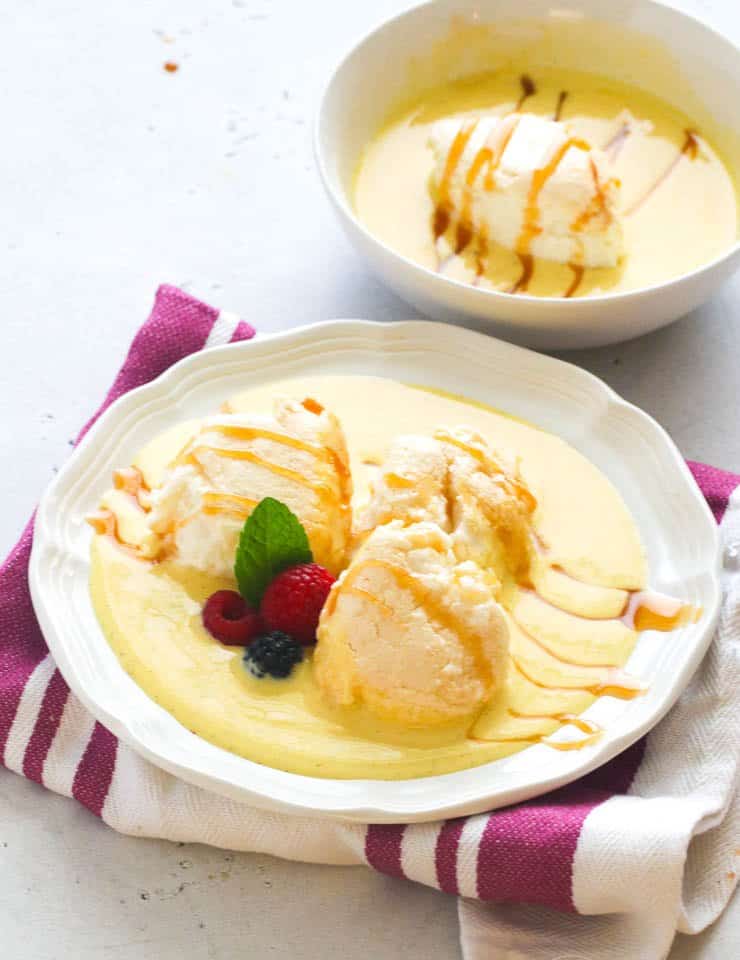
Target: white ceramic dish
pixel 638 456
pixel 372 77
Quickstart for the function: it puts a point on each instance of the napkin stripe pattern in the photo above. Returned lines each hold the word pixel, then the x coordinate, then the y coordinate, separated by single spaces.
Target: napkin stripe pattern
pixel 524 853
pixel 33 694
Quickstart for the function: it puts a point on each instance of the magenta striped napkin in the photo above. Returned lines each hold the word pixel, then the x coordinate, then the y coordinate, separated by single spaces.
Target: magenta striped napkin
pixel 523 854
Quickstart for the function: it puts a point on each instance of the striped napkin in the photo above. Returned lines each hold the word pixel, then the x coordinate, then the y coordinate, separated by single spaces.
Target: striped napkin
pixel 645 845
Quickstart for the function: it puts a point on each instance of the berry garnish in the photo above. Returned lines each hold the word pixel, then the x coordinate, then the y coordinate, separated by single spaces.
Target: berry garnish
pixel 227 617
pixel 292 602
pixel 273 654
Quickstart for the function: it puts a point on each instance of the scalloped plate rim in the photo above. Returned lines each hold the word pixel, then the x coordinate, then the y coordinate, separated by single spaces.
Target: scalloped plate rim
pixel 453 794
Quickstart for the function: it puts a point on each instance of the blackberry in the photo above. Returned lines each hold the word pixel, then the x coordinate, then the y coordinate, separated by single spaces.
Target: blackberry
pixel 273 654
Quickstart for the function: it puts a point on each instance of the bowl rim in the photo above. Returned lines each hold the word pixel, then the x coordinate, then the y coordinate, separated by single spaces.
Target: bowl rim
pixel 267 788
pixel 342 205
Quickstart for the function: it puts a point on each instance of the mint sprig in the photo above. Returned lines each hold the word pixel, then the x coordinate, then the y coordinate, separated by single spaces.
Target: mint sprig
pixel 271 540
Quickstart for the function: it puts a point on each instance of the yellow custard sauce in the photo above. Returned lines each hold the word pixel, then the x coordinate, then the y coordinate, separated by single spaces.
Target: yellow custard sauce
pixel 571 627
pixel 678 204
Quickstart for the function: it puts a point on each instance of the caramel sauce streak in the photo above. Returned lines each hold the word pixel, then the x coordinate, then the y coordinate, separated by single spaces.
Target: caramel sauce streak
pixel 237 432
pixel 215 502
pixel 527 262
pixel 591 730
pixel 396 482
pixel 441 219
pixel 321 489
pixel 131 480
pixel 689 149
pixel 562 97
pixel 597 206
pixel 105 523
pixel 510 484
pixel 585 726
pixel 531 227
pixel 615 683
pixel 575 283
pixel 528 89
pixel 423 599
pixel 490 158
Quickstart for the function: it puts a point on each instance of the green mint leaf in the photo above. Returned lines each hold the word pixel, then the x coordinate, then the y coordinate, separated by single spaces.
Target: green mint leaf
pixel 272 540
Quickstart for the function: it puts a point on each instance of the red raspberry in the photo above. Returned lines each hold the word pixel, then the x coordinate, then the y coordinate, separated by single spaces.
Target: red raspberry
pixel 227 617
pixel 292 603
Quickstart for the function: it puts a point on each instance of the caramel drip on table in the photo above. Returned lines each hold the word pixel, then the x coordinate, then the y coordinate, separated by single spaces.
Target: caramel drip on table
pixel 436 610
pixel 442 211
pixel 562 97
pixel 689 149
pixel 529 89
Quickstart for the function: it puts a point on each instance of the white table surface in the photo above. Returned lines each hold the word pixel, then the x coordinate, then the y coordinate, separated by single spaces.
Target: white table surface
pixel 115 176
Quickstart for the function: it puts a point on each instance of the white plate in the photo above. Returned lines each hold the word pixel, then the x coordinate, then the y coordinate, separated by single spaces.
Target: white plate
pixel 627 445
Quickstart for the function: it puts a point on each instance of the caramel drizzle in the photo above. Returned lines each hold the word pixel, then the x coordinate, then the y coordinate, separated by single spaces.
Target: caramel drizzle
pixel 105 523
pixel 596 207
pixel 690 149
pixel 528 89
pixel 508 483
pixel 131 480
pixel 490 158
pixel 531 227
pixel 643 609
pixel 229 503
pixel 527 262
pixel 422 598
pixel 443 209
pixel 237 432
pixel 591 730
pixel 562 97
pixel 397 482
pixel 575 283
pixel 615 683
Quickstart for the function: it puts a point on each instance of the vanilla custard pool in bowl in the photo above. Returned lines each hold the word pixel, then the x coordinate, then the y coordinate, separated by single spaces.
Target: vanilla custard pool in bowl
pixel 676 204
pixel 572 624
pixel 523 239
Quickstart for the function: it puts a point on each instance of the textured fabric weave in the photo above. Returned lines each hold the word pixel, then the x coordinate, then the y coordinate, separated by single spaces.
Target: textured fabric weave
pixel 548 852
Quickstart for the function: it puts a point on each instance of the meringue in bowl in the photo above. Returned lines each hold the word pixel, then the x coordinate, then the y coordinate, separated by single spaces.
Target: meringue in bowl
pixel 565 180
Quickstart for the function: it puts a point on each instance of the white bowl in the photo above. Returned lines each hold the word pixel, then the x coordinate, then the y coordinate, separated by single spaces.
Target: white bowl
pixel 644 43
pixel 679 533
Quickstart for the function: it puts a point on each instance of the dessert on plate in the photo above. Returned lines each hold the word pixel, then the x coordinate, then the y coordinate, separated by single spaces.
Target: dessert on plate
pixel 350 577
pixel 553 183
